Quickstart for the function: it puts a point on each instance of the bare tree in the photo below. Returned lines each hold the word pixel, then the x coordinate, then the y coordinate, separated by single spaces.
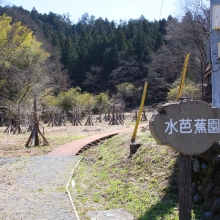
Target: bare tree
pixel 186 35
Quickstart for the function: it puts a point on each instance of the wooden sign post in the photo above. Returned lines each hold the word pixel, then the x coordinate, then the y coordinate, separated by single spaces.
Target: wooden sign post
pixel 190 128
pixel 184 187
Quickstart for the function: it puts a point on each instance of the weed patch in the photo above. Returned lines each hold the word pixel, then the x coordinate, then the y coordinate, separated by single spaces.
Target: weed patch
pixel 145 184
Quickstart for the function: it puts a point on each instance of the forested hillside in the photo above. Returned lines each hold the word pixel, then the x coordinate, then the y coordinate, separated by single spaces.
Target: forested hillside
pixel 99 55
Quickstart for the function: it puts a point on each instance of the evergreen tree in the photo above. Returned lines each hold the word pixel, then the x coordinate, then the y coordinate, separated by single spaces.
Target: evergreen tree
pixel 120 39
pixel 110 61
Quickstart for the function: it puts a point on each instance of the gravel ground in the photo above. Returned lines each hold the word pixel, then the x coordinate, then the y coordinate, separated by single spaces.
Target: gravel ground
pixel 34 188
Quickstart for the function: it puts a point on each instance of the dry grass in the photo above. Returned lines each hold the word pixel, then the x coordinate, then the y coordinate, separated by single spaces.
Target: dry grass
pixel 13 145
pixel 145 184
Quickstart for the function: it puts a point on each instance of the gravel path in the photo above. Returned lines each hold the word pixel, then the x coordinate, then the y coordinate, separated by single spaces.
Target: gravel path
pixel 34 188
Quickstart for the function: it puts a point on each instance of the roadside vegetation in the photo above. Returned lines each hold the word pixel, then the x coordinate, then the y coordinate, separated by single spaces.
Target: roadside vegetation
pixel 145 184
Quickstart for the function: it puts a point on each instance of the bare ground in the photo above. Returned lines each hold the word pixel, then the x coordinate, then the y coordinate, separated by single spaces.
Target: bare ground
pixel 13 145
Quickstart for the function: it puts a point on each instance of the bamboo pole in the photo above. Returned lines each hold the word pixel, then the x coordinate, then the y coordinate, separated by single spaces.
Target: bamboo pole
pixel 139 113
pixel 185 65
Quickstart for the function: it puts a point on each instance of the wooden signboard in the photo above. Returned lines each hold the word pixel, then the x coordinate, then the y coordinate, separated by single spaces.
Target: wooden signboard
pixel 190 128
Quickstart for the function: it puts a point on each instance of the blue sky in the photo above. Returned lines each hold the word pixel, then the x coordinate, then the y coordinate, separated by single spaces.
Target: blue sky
pixel 111 9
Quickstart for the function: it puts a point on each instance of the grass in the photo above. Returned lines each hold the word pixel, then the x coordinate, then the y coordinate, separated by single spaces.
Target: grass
pixel 61 189
pixel 145 184
pixel 63 139
pixel 13 145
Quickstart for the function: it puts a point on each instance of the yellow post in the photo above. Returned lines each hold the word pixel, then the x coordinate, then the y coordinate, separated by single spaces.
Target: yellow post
pixel 139 113
pixel 185 65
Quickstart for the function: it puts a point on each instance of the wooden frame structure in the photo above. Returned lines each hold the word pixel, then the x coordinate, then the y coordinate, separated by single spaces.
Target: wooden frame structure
pixel 34 136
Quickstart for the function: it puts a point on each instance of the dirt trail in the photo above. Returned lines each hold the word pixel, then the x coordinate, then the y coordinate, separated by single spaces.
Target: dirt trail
pixel 34 188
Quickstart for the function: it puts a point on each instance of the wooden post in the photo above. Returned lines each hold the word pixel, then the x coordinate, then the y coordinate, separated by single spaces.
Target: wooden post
pixel 185 65
pixel 113 120
pixel 18 120
pixel 113 114
pixel 36 131
pixel 109 117
pixel 184 187
pixel 36 124
pixel 9 127
pixel 2 119
pixel 100 114
pixel 139 113
pixel 135 116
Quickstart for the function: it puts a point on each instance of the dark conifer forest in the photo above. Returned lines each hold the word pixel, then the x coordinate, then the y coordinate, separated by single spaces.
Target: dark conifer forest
pixel 99 55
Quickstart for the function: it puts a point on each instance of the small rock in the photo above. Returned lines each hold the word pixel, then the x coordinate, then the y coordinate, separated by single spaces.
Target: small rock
pixel 216 191
pixel 216 206
pixel 196 166
pixel 193 189
pixel 204 167
pixel 110 214
pixel 217 217
pixel 197 199
pixel 208 189
pixel 216 159
pixel 208 204
pixel 208 215
pixel 201 190
pixel 89 160
pixel 216 146
pixel 210 154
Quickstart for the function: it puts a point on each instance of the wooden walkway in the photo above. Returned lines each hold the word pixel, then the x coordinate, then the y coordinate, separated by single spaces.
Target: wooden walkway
pixel 72 148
